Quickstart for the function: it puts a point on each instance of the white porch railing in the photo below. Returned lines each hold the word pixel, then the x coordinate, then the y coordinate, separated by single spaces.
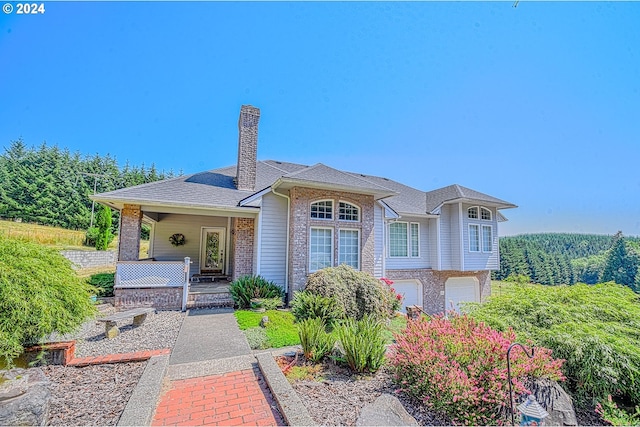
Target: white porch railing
pixel 154 274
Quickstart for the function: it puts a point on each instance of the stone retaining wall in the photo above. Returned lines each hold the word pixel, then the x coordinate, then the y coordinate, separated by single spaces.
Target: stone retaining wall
pixel 88 259
pixel 168 298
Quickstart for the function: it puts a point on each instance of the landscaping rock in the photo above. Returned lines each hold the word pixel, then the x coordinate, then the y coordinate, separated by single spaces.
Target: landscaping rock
pixel 24 398
pixel 386 410
pixel 552 397
pixel 264 321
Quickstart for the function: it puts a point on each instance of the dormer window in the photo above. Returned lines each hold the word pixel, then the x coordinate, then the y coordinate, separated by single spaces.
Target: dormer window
pixel 485 214
pixel 322 209
pixel 473 212
pixel 348 212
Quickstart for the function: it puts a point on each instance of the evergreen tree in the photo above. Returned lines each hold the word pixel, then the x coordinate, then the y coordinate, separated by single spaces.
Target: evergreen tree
pixel 621 266
pixel 103 223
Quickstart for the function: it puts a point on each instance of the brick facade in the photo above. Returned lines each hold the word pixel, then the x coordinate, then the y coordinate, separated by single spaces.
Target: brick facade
pixel 433 284
pixel 167 298
pixel 247 147
pixel 300 224
pixel 129 237
pixel 242 231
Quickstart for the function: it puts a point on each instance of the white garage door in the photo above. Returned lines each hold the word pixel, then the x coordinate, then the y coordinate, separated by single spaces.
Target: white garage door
pixel 411 290
pixel 461 289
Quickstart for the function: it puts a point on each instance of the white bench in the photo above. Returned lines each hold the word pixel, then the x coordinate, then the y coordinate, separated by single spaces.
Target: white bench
pixel 111 322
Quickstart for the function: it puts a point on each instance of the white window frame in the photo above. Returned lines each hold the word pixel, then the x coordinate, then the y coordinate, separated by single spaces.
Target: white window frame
pixel 331 212
pixel 482 211
pixel 409 241
pixel 352 206
pixel 311 270
pixel 477 212
pixel 482 239
pixel 358 248
pixel 477 227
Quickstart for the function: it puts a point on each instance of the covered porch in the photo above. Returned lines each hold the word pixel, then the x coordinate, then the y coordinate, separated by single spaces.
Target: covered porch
pixel 192 257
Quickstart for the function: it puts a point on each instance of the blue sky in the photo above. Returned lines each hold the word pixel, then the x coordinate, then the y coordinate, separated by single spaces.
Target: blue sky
pixel 537 104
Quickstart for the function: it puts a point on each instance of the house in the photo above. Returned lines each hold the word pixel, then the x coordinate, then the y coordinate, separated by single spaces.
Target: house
pixel 284 220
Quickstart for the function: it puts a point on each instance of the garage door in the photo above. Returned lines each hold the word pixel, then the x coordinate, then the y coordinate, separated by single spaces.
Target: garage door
pixel 461 289
pixel 411 290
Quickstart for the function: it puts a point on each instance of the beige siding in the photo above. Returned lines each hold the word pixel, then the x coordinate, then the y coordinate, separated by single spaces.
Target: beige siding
pixel 378 230
pixel 191 227
pixel 424 260
pixel 480 260
pixel 273 239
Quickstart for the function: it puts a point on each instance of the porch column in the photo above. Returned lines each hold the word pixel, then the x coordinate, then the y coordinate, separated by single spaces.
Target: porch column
pixel 242 230
pixel 129 238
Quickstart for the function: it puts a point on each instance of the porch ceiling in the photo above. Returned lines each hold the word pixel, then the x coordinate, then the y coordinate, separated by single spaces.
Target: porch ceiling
pixel 151 211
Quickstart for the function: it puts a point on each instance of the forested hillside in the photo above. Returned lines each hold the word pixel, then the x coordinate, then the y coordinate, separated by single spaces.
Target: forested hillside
pixel 51 186
pixel 559 258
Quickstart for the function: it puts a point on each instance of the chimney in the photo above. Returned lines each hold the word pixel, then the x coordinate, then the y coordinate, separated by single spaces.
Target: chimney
pixel 247 147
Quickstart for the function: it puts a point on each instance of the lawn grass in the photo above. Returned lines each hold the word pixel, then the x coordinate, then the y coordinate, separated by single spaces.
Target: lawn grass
pixel 281 332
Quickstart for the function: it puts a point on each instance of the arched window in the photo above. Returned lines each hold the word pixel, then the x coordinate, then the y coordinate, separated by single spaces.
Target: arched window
pixel 322 209
pixel 348 212
pixel 472 212
pixel 485 214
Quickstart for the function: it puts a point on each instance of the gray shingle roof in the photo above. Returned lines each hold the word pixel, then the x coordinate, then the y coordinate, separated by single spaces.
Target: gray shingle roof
pixel 437 197
pixel 216 188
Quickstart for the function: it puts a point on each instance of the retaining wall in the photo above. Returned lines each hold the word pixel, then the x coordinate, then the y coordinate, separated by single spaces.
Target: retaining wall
pixel 88 259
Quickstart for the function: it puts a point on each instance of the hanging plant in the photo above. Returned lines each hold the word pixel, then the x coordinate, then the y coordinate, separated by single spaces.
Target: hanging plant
pixel 177 239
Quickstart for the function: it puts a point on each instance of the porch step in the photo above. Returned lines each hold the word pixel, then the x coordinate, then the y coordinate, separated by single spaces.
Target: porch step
pixel 210 278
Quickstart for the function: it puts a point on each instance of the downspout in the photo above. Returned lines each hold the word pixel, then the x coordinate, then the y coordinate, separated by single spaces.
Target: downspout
pixel 258 243
pixel 438 247
pixel 461 222
pixel 286 265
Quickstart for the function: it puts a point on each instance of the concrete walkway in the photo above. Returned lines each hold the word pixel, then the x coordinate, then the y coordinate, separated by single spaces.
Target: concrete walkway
pixel 212 377
pixel 208 334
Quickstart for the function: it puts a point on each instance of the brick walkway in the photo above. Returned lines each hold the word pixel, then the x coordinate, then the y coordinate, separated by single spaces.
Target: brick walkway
pixel 232 399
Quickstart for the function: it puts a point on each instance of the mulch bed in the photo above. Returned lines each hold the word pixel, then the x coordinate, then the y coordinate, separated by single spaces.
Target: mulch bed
pixel 93 395
pixel 333 395
pixel 336 396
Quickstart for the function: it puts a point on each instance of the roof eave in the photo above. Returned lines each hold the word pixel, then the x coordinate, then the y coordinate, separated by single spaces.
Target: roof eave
pixel 118 203
pixel 501 205
pixel 288 183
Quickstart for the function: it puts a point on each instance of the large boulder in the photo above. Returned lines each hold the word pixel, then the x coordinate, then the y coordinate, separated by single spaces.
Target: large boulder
pixel 552 397
pixel 386 410
pixel 24 398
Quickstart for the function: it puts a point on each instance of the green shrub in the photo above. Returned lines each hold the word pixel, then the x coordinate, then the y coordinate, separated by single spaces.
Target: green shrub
pixel 280 330
pixel 306 305
pixel 257 338
pixel 248 287
pixel 458 366
pixel 103 282
pixel 40 293
pixel 363 343
pixel 356 292
pixel 593 327
pixel 103 222
pixel 316 342
pixel 91 236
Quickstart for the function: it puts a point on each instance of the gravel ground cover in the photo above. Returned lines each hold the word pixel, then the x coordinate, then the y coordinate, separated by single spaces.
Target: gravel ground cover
pixel 159 331
pixel 93 395
pixel 97 395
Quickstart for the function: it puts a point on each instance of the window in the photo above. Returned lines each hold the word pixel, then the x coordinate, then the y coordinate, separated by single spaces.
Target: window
pixel 404 239
pixel 320 248
pixel 322 209
pixel 485 214
pixel 487 238
pixel 398 239
pixel 348 212
pixel 474 238
pixel 415 239
pixel 473 212
pixel 349 248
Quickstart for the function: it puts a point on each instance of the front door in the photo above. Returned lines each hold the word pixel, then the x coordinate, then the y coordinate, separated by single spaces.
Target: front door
pixel 212 250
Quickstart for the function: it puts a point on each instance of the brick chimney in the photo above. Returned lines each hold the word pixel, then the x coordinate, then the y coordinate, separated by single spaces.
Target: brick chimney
pixel 247 147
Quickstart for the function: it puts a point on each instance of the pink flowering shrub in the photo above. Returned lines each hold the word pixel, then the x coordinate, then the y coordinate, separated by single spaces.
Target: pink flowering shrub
pixel 459 366
pixel 394 299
